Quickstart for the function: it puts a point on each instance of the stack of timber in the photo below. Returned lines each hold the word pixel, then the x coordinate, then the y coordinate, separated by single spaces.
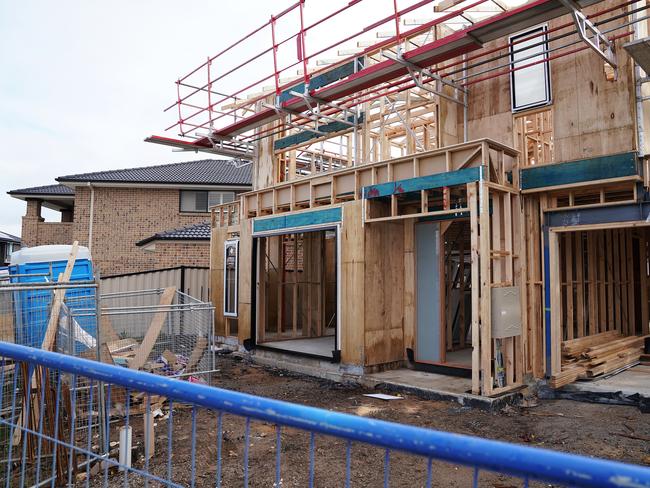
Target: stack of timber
pixel 595 355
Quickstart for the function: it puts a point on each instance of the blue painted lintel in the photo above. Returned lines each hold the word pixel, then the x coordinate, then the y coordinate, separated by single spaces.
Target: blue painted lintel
pixel 297 220
pixel 438 180
pixel 584 170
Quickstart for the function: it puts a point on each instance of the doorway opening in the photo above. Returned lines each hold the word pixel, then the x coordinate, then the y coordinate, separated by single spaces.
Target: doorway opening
pixel 444 294
pixel 297 292
pixel 457 318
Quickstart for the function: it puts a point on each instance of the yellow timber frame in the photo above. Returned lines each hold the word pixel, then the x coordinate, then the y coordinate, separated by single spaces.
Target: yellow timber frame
pixel 495 214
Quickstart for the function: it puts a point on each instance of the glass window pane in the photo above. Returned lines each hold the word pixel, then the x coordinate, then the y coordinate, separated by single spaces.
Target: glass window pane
pixel 219 197
pixel 194 201
pixel 201 201
pixel 530 85
pixel 214 198
pixel 188 201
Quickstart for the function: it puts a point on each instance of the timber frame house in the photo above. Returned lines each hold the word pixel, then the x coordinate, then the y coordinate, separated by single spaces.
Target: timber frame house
pixel 467 195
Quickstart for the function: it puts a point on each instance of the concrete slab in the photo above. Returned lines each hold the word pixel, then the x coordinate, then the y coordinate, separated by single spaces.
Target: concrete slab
pixel 317 346
pixel 630 387
pixel 432 386
pixel 424 380
pixel 435 386
pixel 635 380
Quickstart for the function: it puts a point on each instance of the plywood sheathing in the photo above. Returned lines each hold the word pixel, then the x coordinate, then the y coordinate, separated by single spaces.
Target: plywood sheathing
pixel 592 116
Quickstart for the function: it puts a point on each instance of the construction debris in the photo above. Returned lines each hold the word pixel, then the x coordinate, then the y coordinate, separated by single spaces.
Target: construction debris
pixel 596 355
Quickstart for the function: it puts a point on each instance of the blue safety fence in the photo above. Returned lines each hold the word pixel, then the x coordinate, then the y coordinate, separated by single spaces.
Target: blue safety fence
pixel 67 420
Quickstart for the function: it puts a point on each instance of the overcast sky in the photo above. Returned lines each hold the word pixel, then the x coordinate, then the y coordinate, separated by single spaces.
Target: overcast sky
pixel 83 82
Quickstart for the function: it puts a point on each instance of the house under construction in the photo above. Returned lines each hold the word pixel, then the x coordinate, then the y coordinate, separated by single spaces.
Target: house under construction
pixel 452 185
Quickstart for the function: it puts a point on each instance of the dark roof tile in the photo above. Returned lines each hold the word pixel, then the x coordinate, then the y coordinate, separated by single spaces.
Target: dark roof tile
pixel 8 237
pixel 202 172
pixel 44 190
pixel 196 232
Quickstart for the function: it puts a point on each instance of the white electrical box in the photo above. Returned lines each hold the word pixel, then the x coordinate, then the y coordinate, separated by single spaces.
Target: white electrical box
pixel 506 312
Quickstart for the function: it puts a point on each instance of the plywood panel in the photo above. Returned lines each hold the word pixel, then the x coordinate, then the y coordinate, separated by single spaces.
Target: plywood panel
pixel 409 284
pixel 216 278
pixel 245 273
pixel 592 116
pixel 352 285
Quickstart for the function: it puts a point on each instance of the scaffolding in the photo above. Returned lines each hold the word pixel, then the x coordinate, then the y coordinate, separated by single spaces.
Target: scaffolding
pixel 242 96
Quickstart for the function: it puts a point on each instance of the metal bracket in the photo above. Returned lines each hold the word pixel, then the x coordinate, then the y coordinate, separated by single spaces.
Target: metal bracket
pixel 417 73
pixel 590 34
pixel 226 146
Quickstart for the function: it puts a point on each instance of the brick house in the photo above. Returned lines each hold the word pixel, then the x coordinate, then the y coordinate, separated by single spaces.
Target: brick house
pixel 136 219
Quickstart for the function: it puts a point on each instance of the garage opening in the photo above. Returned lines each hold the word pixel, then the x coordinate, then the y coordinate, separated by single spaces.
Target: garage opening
pixel 603 294
pixel 297 298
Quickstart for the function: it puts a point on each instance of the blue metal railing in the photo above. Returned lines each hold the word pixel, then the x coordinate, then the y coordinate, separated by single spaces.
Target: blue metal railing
pixel 525 463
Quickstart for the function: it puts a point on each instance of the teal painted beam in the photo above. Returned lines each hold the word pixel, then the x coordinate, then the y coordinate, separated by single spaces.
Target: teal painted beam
pixel 324 79
pixel 593 169
pixel 307 135
pixel 297 220
pixel 438 180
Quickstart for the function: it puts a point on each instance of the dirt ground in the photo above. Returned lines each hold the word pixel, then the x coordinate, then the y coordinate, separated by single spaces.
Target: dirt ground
pixel 613 432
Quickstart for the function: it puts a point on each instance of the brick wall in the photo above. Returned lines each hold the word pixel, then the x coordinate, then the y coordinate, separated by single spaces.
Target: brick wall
pixel 37 232
pixel 168 254
pixel 54 233
pixel 124 216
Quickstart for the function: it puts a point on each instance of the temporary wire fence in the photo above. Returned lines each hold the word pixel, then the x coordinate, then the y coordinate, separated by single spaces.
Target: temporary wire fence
pixel 182 346
pixel 214 437
pixel 86 327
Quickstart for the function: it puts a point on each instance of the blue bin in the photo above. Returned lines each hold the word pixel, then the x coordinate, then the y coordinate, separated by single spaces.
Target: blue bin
pixel 32 307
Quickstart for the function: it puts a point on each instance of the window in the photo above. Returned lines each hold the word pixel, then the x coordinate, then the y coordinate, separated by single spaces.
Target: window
pixel 230 275
pixel 9 248
pixel 530 80
pixel 201 201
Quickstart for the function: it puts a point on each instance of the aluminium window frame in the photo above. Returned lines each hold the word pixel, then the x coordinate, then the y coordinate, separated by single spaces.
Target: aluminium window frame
pixel 207 192
pixel 548 99
pixel 229 243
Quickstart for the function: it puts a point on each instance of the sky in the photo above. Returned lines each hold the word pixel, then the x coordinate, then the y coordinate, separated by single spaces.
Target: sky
pixel 83 82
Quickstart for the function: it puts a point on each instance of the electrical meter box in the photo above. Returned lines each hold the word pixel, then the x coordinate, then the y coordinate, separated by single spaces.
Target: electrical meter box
pixel 506 312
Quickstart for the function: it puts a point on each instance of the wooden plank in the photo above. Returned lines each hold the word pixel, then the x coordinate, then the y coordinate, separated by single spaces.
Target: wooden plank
pixel 474 261
pixel 580 285
pixel 485 290
pixel 197 354
pixel 591 274
pixel 610 281
pixel 602 302
pixel 630 283
pixel 643 269
pixel 568 268
pixel 50 333
pixel 625 322
pixel 556 331
pixel 154 329
pixel 59 295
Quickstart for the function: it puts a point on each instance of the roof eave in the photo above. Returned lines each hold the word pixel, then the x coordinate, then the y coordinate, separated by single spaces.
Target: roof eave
pixel 151 239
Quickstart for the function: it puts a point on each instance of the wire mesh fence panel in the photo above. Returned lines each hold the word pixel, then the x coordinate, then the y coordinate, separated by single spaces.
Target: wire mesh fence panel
pixel 205 436
pixel 173 330
pixel 162 331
